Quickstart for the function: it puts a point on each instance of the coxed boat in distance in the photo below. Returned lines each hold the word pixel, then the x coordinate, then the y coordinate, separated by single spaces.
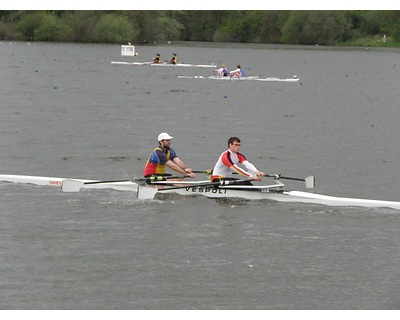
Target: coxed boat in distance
pixel 163 64
pixel 248 78
pixel 274 192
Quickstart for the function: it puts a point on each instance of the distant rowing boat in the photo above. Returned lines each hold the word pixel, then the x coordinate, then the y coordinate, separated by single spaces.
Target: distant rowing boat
pixel 249 78
pixel 164 64
pixel 149 190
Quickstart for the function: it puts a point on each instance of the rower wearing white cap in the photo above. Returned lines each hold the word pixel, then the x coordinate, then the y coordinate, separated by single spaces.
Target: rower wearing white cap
pixel 164 156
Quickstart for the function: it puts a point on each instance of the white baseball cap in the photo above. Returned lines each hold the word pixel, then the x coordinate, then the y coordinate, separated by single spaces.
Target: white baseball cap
pixel 164 136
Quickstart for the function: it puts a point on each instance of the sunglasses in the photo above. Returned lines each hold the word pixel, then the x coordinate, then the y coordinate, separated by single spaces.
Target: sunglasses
pixel 237 144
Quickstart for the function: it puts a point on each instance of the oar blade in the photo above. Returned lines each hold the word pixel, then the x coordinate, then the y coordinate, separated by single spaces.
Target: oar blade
pixel 146 193
pixel 72 185
pixel 310 182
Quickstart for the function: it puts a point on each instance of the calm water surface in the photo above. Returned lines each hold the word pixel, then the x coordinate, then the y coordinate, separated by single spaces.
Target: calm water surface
pixel 67 111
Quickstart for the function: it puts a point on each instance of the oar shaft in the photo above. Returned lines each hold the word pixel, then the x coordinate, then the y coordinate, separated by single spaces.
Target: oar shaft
pixel 76 185
pixel 208 184
pixel 310 180
pixel 109 181
pixel 289 178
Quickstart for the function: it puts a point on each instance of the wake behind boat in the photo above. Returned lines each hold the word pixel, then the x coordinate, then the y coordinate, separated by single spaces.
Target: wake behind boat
pixel 248 78
pixel 151 63
pixel 146 189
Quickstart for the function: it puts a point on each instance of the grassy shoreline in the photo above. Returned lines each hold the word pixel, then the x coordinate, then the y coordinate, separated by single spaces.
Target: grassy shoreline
pixel 376 41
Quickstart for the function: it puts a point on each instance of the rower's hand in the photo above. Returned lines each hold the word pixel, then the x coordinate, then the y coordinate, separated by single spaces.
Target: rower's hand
pixel 188 170
pixel 191 175
pixel 258 176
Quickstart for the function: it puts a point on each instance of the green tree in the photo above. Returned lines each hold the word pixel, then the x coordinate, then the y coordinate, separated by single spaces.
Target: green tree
pixel 371 23
pixel 201 25
pixel 112 28
pixel 293 27
pixel 391 24
pixel 83 24
pixel 240 26
pixel 354 27
pixel 167 28
pixel 157 25
pixel 144 21
pixel 320 27
pixel 52 28
pixel 269 29
pixel 29 23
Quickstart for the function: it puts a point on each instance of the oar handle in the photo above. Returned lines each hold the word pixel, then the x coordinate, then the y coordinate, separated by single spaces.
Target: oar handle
pixel 208 171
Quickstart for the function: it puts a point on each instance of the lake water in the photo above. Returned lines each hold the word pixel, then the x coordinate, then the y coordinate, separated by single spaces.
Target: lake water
pixel 66 111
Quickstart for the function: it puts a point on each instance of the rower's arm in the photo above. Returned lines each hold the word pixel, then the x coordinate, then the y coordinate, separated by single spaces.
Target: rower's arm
pixel 171 164
pixel 239 170
pixel 182 165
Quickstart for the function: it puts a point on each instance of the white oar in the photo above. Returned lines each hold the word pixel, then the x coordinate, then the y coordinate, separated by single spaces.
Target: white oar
pixel 310 180
pixel 76 185
pixel 69 185
pixel 146 193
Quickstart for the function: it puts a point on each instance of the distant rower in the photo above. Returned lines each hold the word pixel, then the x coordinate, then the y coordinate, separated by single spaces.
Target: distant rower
pixel 174 59
pixel 157 59
pixel 238 72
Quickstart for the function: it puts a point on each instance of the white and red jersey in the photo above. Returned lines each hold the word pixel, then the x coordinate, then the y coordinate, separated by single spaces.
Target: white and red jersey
pixel 228 163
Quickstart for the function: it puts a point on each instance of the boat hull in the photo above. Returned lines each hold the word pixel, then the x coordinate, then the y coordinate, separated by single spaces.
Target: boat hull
pixel 250 78
pixel 192 65
pixel 251 193
pixel 40 181
pixel 282 196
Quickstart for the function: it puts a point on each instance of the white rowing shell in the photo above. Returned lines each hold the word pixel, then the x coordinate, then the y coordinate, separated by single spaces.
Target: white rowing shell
pixel 250 78
pixel 164 64
pixel 245 192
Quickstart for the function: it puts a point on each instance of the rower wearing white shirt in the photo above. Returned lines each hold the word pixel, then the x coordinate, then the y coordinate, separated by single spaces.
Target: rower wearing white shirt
pixel 222 72
pixel 228 163
pixel 238 72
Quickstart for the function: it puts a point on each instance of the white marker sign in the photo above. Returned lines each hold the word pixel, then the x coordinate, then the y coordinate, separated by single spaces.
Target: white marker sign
pixel 127 50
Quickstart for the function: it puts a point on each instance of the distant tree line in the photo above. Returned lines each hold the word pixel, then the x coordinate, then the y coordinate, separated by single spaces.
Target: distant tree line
pixel 355 27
